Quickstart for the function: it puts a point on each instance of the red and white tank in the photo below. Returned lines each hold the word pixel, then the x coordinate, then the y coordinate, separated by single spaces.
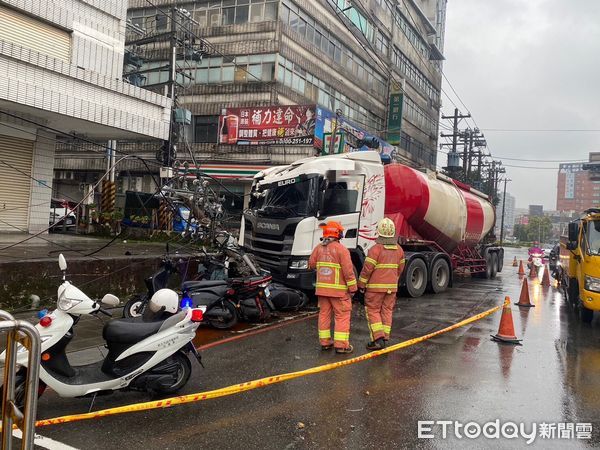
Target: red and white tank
pixel 436 208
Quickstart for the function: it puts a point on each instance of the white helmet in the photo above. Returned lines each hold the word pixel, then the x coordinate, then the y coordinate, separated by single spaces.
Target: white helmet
pixel 164 298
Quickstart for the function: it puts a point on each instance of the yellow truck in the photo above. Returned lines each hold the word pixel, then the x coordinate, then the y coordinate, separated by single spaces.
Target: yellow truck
pixel 579 268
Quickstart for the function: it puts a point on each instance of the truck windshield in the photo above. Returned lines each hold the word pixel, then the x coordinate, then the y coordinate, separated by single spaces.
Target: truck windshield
pixel 297 199
pixel 593 237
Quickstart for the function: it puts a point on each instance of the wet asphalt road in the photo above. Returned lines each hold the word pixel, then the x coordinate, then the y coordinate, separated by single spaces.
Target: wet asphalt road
pixel 554 377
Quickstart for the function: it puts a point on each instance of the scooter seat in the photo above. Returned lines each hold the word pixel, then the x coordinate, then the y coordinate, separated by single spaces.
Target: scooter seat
pixel 129 331
pixel 189 285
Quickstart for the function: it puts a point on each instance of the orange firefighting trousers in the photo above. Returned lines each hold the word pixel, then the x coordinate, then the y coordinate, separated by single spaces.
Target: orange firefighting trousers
pixel 341 307
pixel 379 307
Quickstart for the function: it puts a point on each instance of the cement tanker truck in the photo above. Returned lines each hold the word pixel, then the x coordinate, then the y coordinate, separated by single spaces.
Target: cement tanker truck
pixel 442 224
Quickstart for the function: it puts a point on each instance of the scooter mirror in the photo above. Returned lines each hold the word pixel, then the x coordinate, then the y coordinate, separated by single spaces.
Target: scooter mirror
pixel 111 300
pixel 62 262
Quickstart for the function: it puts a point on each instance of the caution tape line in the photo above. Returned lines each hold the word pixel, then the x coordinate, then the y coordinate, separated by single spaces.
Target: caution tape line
pixel 262 382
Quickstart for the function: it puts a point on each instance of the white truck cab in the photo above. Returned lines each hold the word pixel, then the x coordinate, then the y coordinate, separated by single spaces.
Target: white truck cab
pixel 288 203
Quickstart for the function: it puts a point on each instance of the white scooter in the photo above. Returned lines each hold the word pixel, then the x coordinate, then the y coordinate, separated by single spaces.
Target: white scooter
pixel 149 356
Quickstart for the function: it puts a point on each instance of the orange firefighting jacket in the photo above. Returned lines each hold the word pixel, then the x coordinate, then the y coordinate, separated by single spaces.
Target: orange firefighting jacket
pixel 335 272
pixel 382 269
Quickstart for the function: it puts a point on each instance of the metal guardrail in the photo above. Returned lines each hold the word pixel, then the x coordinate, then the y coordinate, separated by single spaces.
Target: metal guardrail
pixel 23 333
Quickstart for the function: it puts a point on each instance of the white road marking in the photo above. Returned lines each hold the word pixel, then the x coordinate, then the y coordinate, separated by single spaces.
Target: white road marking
pixel 45 442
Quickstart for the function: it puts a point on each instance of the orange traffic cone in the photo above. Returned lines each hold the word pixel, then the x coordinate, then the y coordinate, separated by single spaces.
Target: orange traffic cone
pixel 515 263
pixel 506 331
pixel 521 268
pixel 533 272
pixel 524 299
pixel 546 277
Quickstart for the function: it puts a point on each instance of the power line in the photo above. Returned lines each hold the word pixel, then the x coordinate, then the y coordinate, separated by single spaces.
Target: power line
pixel 544 130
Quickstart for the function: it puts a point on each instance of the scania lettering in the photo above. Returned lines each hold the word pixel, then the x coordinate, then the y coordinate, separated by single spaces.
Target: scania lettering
pixel 443 225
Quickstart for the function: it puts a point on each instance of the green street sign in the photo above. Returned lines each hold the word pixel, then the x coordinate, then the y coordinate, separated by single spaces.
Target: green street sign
pixel 395 118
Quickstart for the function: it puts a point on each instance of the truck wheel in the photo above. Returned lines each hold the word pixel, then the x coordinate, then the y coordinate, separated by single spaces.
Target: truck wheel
pixel 500 260
pixel 573 293
pixel 586 315
pixel 440 276
pixel 416 278
pixel 493 266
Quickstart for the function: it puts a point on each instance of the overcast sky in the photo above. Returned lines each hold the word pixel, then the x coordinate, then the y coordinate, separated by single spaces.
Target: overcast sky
pixel 527 64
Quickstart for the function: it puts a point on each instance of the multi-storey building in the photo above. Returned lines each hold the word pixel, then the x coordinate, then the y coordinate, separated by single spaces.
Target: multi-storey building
pixel 336 55
pixel 61 65
pixel 507 205
pixel 577 189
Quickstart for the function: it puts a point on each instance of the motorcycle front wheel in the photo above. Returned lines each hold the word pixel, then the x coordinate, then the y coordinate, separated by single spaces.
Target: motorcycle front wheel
pixel 134 307
pixel 224 315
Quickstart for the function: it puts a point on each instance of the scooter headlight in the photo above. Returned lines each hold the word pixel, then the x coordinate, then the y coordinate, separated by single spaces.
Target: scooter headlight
pixel 66 304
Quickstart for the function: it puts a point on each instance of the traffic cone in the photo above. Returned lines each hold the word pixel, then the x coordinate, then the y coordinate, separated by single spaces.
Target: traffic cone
pixel 524 299
pixel 546 277
pixel 515 264
pixel 521 268
pixel 506 331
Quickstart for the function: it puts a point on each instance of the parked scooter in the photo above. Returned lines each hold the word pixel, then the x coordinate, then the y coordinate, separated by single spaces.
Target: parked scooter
pixel 136 305
pixel 142 355
pixel 228 301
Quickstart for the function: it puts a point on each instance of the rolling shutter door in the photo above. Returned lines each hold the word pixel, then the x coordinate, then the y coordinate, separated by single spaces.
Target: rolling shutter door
pixel 34 34
pixel 15 185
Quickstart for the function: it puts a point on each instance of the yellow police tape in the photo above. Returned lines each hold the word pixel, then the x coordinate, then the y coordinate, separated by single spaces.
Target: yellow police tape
pixel 255 384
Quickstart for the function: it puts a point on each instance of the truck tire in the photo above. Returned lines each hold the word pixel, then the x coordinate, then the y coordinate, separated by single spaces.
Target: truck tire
pixel 500 260
pixel 573 293
pixel 416 278
pixel 493 265
pixel 440 276
pixel 585 315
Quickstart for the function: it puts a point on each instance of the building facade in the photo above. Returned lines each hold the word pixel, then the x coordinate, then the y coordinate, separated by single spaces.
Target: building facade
pixel 509 213
pixel 345 57
pixel 577 188
pixel 61 66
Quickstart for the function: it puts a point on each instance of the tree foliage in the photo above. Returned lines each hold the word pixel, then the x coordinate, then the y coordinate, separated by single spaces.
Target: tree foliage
pixel 539 229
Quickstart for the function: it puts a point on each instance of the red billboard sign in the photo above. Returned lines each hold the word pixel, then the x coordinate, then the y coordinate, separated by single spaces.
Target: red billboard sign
pixel 283 125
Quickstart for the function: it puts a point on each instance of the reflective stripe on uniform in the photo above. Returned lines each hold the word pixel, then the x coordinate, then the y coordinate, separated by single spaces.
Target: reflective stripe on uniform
pixel 368 322
pixel 324 334
pixel 390 247
pixel 387 266
pixel 382 286
pixel 377 326
pixel 340 287
pixel 351 283
pixel 370 260
pixel 386 329
pixel 328 264
pixel 362 279
pixel 341 336
pixel 403 261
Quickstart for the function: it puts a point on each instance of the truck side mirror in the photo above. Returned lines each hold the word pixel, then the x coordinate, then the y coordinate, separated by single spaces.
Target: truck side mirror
pixel 573 232
pixel 571 246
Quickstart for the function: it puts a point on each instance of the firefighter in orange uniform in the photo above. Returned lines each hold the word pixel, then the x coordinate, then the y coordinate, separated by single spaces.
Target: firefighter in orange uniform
pixel 380 274
pixel 335 280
